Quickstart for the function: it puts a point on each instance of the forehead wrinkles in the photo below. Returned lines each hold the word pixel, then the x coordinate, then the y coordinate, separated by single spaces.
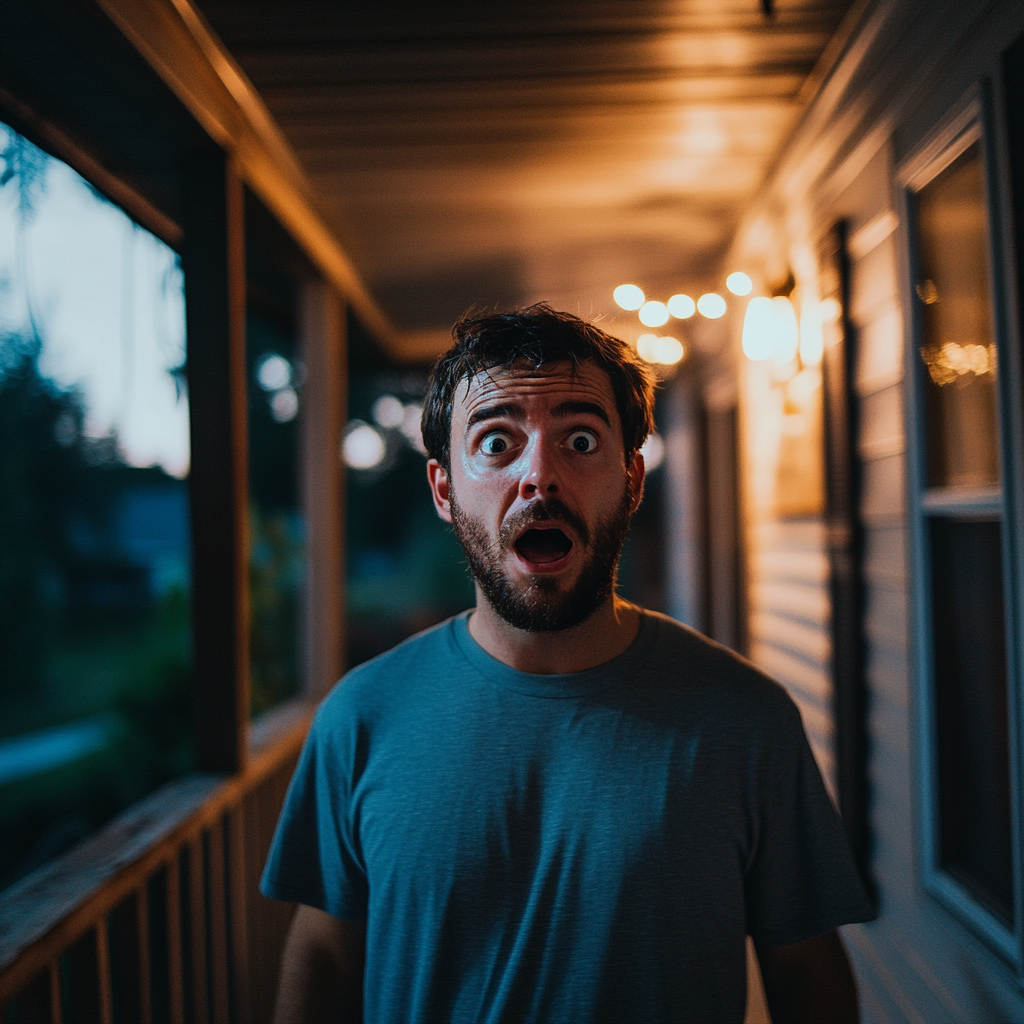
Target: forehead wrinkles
pixel 587 383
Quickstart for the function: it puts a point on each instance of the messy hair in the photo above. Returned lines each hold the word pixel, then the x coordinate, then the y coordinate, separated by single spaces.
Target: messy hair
pixel 537 335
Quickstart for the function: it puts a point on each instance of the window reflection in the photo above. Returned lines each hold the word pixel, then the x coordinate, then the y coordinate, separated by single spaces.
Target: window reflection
pixel 94 511
pixel 958 346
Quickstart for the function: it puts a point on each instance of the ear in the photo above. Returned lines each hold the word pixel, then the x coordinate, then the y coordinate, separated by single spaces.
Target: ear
pixel 636 472
pixel 437 477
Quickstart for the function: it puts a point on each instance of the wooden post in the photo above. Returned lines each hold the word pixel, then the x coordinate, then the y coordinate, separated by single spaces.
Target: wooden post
pixel 845 554
pixel 213 257
pixel 322 334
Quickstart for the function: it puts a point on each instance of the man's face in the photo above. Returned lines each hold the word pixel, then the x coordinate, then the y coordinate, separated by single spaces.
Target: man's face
pixel 539 493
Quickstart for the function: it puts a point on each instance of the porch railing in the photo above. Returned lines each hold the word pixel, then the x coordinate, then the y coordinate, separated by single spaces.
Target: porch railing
pixel 157 917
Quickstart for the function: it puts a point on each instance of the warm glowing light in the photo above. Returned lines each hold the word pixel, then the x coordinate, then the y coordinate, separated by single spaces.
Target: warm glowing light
pixel 363 447
pixel 653 314
pixel 711 305
pixel 739 283
pixel 682 307
pixel 388 412
pixel 668 351
pixel 653 452
pixel 645 347
pixel 952 361
pixel 629 296
pixel 830 310
pixel 812 339
pixel 787 337
pixel 653 349
pixel 759 327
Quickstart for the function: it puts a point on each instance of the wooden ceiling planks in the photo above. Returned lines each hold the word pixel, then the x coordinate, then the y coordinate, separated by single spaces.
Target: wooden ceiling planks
pixel 507 152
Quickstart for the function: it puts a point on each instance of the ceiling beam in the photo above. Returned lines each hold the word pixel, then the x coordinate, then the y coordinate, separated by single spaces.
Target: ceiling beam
pixel 175 40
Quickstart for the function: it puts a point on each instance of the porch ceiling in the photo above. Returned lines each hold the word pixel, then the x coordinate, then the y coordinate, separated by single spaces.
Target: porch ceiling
pixel 529 149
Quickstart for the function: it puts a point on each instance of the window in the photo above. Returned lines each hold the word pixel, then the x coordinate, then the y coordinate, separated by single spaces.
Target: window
pixel 95 580
pixel 959 505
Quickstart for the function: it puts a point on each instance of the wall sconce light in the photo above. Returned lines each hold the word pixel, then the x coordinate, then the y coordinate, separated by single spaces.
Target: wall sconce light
pixel 770 330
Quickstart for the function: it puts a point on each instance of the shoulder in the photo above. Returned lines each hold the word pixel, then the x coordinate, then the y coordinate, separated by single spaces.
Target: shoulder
pixel 395 677
pixel 682 660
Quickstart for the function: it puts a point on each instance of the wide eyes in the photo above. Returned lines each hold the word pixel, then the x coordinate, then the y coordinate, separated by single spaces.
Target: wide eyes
pixel 582 441
pixel 496 443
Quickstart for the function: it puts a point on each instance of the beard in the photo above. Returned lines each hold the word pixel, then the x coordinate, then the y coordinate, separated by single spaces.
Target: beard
pixel 539 605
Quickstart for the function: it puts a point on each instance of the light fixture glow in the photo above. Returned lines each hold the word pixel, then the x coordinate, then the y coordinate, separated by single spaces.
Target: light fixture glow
pixel 363 447
pixel 787 338
pixel 668 351
pixel 274 372
pixel 411 427
pixel 284 406
pixel 653 314
pixel 653 349
pixel 653 451
pixel 388 412
pixel 646 346
pixel 682 307
pixel 629 296
pixel 812 338
pixel 739 283
pixel 830 311
pixel 711 305
pixel 759 329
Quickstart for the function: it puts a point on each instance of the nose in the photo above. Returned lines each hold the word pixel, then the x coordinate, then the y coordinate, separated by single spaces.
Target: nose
pixel 540 477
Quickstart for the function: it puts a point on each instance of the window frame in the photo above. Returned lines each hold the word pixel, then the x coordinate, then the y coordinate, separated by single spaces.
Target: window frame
pixel 973 120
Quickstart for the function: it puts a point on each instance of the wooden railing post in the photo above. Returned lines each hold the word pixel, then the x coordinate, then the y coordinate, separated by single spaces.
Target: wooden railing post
pixel 213 258
pixel 322 334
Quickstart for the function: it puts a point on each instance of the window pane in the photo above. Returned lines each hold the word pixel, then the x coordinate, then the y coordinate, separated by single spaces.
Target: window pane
pixel 971 707
pixel 277 534
pixel 94 511
pixel 958 346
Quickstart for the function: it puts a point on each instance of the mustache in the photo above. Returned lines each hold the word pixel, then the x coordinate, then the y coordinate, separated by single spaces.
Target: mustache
pixel 542 512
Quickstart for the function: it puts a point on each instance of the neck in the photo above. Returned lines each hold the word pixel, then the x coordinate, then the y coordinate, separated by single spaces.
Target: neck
pixel 605 635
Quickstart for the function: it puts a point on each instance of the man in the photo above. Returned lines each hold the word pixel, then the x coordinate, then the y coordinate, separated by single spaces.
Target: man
pixel 557 807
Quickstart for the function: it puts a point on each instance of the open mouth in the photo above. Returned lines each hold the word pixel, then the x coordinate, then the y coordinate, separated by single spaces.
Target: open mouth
pixel 541 546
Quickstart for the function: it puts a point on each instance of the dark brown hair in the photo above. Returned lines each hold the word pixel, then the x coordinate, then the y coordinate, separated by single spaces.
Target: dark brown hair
pixel 537 335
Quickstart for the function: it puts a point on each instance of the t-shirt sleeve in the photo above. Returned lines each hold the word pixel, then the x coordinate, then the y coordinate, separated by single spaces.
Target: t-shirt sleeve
pixel 801 881
pixel 314 858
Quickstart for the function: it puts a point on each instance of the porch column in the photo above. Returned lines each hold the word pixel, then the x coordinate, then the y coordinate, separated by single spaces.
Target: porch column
pixel 322 336
pixel 213 258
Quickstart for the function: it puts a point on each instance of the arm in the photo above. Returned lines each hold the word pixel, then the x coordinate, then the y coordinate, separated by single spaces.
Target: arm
pixel 809 981
pixel 321 970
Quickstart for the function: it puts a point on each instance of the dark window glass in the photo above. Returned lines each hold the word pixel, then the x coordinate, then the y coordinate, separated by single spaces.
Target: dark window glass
pixel 277 532
pixel 957 344
pixel 95 647
pixel 971 707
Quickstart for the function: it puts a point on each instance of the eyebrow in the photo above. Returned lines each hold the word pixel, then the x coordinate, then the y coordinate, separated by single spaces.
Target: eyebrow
pixel 514 410
pixel 565 409
pixel 492 412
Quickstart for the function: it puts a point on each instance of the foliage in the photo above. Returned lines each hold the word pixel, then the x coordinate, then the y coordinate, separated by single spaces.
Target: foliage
pixel 276 569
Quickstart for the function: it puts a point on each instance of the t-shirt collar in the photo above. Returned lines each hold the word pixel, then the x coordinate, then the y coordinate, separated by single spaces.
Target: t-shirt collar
pixel 621 668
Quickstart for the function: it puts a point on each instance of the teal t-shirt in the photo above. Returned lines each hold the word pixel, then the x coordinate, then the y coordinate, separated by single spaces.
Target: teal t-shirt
pixel 591 847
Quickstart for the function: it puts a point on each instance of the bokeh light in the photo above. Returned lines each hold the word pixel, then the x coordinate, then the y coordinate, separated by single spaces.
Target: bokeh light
pixel 711 305
pixel 739 284
pixel 682 307
pixel 284 406
pixel 653 451
pixel 363 447
pixel 629 296
pixel 274 372
pixel 759 329
pixel 653 314
pixel 388 412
